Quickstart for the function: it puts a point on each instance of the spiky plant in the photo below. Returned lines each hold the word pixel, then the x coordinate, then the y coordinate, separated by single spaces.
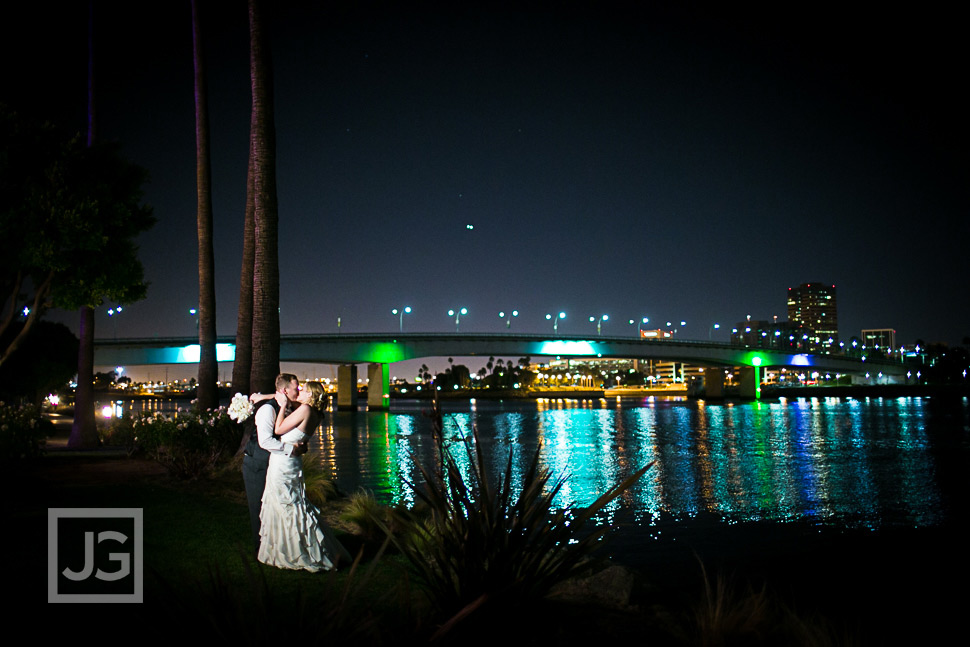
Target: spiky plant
pixel 364 512
pixel 316 480
pixel 485 546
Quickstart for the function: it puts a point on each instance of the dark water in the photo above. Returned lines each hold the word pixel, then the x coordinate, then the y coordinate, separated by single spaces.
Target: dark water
pixel 832 463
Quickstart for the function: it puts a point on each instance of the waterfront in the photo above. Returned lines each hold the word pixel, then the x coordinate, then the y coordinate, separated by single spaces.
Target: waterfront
pixel 837 462
pixel 865 463
pixel 851 509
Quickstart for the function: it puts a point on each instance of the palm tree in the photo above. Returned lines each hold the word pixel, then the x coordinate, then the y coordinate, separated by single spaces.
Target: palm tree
pixel 266 273
pixel 242 363
pixel 208 394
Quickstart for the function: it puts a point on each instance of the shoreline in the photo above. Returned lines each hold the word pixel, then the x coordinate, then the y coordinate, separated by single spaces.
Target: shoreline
pixel 769 393
pixel 874 585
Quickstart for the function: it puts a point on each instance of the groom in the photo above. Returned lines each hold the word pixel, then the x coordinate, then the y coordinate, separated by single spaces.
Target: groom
pixel 262 441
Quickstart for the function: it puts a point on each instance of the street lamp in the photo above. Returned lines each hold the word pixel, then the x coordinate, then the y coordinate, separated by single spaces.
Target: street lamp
pixel 710 333
pixel 508 319
pixel 669 324
pixel 111 313
pixel 555 320
pixel 193 312
pixel 457 315
pixel 640 325
pixel 599 323
pixel 402 312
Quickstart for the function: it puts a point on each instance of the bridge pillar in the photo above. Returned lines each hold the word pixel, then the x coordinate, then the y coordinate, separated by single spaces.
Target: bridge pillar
pixel 378 386
pixel 714 383
pixel 750 378
pixel 347 387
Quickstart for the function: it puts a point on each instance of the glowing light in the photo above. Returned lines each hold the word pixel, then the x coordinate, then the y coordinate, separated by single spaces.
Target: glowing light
pixel 190 354
pixel 566 348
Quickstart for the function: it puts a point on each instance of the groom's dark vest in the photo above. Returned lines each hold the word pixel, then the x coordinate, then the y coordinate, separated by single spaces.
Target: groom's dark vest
pixel 253 450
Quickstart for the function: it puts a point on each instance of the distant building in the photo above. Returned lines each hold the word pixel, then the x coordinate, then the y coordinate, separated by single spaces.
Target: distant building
pixel 757 333
pixel 607 372
pixel 883 339
pixel 813 306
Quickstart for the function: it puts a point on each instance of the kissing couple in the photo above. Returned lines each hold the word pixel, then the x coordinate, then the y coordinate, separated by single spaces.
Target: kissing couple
pixel 287 528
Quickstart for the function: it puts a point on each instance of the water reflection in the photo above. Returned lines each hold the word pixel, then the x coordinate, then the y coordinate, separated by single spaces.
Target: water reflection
pixel 845 462
pixel 854 463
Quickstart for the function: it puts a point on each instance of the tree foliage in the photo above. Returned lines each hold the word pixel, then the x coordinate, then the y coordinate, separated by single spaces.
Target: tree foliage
pixel 69 215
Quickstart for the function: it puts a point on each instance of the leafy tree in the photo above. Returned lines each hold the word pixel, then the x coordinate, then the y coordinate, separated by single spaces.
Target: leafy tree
pixel 69 215
pixel 29 263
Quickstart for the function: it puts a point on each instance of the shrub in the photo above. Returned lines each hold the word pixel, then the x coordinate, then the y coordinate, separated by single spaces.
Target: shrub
pixel 23 432
pixel 189 444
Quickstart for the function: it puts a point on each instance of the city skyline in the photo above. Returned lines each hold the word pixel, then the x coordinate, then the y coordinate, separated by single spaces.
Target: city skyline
pixel 672 164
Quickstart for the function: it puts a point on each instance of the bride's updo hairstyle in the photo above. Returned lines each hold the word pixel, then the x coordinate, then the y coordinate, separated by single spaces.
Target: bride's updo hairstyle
pixel 318 397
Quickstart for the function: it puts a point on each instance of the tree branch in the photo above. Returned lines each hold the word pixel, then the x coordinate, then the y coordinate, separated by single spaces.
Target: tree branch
pixel 40 306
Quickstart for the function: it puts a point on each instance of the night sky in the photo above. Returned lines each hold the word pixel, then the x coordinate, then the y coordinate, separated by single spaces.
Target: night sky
pixel 612 159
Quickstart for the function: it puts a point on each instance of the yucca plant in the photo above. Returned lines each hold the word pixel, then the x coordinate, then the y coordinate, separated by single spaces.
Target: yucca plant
pixel 485 546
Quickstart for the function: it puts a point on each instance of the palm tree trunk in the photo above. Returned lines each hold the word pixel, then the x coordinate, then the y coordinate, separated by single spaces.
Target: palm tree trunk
pixel 266 281
pixel 242 363
pixel 207 394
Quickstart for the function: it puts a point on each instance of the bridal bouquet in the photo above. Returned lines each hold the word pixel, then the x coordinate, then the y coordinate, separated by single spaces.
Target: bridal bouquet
pixel 240 408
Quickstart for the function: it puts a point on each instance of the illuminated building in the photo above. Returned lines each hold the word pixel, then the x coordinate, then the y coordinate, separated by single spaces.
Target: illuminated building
pixel 883 339
pixel 603 372
pixel 813 306
pixel 768 334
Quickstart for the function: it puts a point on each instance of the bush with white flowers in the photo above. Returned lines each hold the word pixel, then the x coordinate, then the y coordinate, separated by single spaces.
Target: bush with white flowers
pixel 23 432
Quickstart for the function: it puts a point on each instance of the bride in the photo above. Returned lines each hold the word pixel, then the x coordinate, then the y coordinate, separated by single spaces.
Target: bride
pixel 292 535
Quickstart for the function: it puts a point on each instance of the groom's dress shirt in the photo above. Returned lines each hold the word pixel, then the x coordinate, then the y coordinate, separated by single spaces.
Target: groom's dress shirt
pixel 265 425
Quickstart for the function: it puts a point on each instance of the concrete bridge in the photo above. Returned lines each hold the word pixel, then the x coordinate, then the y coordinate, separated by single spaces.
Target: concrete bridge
pixel 379 350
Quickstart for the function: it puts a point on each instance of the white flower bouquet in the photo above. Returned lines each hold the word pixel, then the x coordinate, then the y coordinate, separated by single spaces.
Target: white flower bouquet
pixel 240 408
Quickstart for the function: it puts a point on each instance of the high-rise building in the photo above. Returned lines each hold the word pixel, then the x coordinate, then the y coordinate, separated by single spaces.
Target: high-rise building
pixel 813 307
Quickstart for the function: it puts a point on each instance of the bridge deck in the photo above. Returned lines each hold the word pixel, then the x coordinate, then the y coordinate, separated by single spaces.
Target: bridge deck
pixel 353 348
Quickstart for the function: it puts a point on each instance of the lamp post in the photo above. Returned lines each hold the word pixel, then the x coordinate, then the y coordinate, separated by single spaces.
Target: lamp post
pixel 599 323
pixel 555 320
pixel 508 319
pixel 111 313
pixel 710 333
pixel 193 312
pixel 640 325
pixel 401 312
pixel 457 315
pixel 669 324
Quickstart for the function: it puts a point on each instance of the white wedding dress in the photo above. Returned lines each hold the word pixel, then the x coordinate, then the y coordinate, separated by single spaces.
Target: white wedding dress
pixel 291 533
